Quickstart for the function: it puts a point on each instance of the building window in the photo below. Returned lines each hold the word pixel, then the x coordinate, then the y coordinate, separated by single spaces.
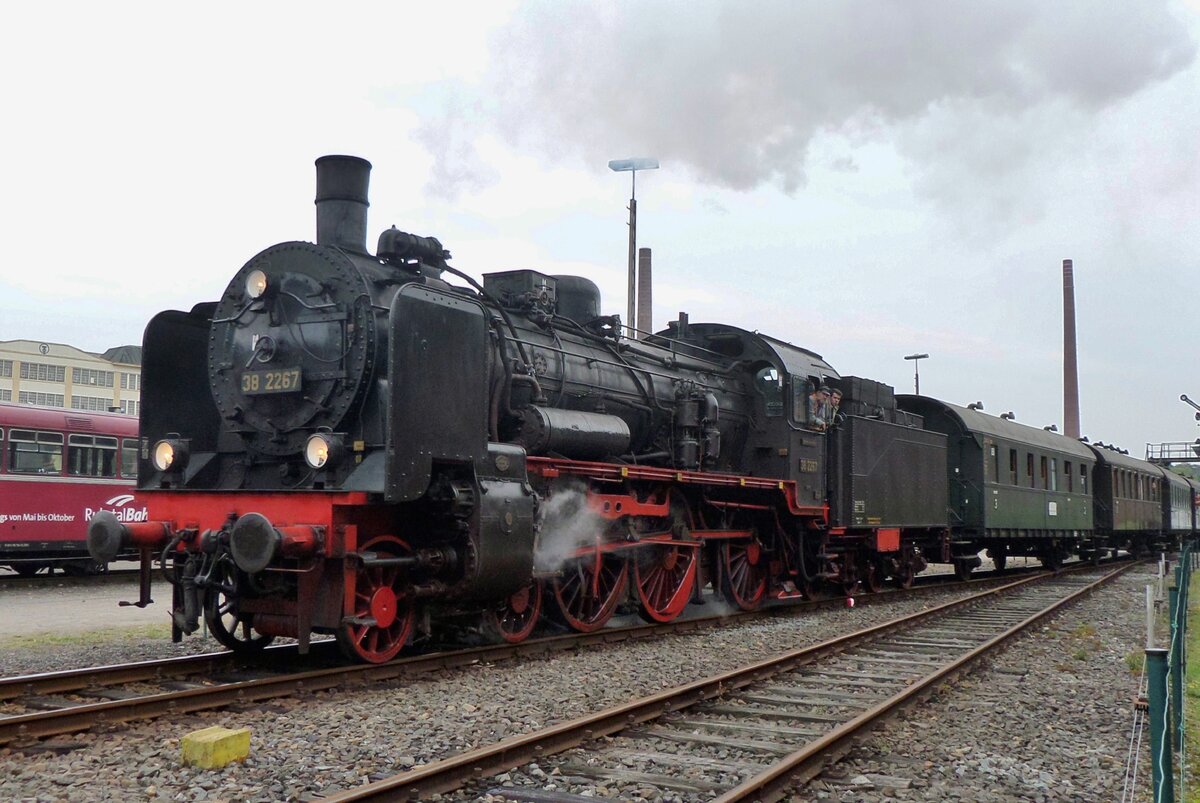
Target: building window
pixel 43 372
pixel 129 457
pixel 5 367
pixel 129 406
pixel 40 399
pixel 5 394
pixel 92 456
pixel 92 376
pixel 32 452
pixel 90 403
pixel 131 381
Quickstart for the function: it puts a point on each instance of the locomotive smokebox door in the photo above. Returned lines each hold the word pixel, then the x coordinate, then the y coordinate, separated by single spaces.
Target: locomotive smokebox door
pixel 439 368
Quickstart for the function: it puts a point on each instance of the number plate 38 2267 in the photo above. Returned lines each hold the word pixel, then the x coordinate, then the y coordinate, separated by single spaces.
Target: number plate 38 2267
pixel 276 380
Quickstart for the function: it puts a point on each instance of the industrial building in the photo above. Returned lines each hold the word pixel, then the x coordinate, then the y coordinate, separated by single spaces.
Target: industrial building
pixel 58 375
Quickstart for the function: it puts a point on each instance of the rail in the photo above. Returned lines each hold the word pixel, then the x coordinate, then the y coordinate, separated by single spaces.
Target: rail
pixel 860 678
pixel 215 680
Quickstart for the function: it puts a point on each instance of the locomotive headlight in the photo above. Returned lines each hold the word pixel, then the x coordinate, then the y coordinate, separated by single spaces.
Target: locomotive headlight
pixel 256 284
pixel 170 454
pixel 323 450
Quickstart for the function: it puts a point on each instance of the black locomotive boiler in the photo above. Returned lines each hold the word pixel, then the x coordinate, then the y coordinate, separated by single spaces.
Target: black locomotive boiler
pixel 368 445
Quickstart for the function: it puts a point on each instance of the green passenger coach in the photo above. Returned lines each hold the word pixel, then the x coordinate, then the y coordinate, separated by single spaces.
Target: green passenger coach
pixel 1014 489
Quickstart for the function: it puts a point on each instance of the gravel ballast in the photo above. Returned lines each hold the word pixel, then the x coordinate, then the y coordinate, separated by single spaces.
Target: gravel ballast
pixel 1060 729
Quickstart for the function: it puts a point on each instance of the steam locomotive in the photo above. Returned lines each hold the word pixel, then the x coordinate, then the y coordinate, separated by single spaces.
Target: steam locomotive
pixel 369 445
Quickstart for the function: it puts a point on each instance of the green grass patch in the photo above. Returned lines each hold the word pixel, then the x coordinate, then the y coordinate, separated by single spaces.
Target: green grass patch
pixel 1191 689
pixel 106 635
pixel 1136 661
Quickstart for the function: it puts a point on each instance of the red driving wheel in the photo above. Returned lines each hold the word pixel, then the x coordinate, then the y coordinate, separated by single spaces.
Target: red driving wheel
pixel 384 613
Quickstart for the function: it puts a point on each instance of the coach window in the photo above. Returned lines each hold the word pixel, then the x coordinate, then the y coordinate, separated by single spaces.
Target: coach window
pixel 1012 466
pixel 1067 474
pixel 1054 473
pixel 995 463
pixel 129 457
pixel 92 456
pixel 1045 474
pixel 1029 470
pixel 31 452
pixel 1083 478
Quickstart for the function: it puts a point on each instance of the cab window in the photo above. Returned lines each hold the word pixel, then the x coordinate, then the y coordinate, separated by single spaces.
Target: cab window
pixel 769 383
pixel 801 388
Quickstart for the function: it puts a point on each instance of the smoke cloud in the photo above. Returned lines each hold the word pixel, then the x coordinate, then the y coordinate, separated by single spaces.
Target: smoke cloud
pixel 565 523
pixel 740 93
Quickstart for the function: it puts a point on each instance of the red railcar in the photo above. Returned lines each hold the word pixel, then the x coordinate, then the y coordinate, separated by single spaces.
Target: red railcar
pixel 57 468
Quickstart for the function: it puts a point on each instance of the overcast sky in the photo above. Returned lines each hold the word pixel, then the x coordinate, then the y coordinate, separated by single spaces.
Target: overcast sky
pixel 865 179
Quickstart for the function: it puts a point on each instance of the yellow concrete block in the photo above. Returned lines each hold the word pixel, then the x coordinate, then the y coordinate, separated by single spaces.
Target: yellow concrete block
pixel 213 748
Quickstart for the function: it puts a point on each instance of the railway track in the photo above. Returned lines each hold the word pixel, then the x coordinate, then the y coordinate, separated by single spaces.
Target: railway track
pixel 34 707
pixel 775 722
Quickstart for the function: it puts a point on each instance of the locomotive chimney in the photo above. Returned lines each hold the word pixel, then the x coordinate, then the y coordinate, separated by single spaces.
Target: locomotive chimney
pixel 645 310
pixel 342 202
pixel 1070 364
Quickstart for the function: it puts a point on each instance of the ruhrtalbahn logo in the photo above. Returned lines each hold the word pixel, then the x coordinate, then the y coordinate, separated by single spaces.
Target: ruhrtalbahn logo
pixel 120 506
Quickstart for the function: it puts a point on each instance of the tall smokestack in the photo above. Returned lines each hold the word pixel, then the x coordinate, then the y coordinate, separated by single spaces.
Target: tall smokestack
pixel 342 202
pixel 645 308
pixel 1070 357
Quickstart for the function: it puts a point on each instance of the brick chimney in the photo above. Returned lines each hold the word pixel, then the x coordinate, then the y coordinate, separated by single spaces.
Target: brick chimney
pixel 1070 355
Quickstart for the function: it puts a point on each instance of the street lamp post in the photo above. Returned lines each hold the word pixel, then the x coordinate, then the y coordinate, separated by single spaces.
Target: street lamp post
pixel 631 166
pixel 916 358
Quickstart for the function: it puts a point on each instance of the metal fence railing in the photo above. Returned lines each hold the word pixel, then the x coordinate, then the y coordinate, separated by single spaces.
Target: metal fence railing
pixel 1166 669
pixel 1161 686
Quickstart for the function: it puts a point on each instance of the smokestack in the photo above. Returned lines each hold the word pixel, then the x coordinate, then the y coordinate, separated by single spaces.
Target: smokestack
pixel 342 202
pixel 645 309
pixel 1070 358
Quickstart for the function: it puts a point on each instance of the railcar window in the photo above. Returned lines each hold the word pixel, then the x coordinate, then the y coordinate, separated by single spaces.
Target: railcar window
pixel 1053 473
pixel 1012 466
pixel 1029 470
pixel 31 452
pixel 770 385
pixel 91 456
pixel 1083 478
pixel 129 457
pixel 1045 474
pixel 995 464
pixel 1070 477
